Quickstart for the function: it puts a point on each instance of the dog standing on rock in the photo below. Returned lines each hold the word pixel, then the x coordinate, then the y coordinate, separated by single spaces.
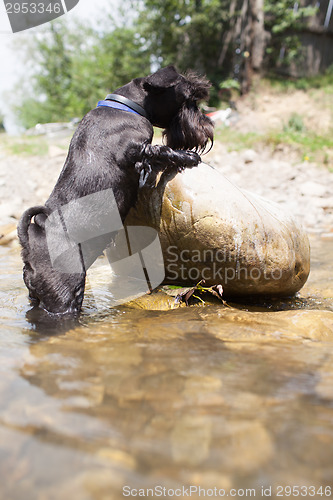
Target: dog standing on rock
pixel 111 150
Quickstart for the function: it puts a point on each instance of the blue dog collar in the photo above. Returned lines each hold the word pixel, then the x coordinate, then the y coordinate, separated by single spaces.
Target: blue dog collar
pixel 117 101
pixel 116 105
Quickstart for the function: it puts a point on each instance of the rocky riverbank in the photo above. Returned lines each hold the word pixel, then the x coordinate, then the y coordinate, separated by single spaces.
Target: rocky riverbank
pixel 303 189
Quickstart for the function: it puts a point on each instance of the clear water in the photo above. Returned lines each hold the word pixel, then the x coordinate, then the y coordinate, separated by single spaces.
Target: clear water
pixel 227 397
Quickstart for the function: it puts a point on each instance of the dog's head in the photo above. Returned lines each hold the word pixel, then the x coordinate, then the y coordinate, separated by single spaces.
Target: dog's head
pixel 54 291
pixel 172 104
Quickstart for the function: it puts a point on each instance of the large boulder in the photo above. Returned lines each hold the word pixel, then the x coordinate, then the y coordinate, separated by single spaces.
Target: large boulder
pixel 210 229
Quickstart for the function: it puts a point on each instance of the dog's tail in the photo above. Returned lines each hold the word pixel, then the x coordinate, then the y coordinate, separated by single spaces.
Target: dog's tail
pixel 25 221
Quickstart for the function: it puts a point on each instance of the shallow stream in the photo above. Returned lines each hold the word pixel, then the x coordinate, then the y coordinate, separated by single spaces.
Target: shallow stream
pixel 232 398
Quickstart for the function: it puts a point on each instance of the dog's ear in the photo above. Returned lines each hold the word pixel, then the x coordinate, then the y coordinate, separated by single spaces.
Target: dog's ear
pixel 163 79
pixel 197 87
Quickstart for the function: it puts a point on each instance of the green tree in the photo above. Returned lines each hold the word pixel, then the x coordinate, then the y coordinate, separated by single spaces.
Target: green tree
pixel 222 38
pixel 186 33
pixel 75 66
pixel 284 20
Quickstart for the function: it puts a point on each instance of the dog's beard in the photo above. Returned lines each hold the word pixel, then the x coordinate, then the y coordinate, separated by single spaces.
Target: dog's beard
pixel 190 129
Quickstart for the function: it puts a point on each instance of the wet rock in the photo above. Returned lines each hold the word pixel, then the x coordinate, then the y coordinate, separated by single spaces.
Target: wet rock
pixel 156 301
pixel 118 457
pixel 279 326
pixel 190 440
pixel 7 233
pixel 324 387
pixel 205 479
pixel 247 445
pixel 209 229
pixel 203 391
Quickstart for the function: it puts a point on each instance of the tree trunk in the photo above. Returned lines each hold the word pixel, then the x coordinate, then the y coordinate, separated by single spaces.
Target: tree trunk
pixel 248 37
pixel 258 34
pixel 229 35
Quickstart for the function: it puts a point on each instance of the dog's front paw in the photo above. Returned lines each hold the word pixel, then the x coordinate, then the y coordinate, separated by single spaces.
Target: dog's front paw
pixel 194 158
pixel 189 159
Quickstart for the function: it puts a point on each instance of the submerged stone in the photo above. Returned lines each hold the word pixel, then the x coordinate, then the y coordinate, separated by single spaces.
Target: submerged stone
pixel 210 229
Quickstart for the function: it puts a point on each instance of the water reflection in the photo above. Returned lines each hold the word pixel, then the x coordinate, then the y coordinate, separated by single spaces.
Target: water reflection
pixel 220 397
pixel 49 324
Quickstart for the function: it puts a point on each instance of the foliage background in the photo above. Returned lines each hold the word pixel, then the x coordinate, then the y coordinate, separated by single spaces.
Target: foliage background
pixel 71 66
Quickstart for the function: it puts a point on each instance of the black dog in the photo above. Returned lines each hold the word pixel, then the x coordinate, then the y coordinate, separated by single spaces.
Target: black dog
pixel 110 150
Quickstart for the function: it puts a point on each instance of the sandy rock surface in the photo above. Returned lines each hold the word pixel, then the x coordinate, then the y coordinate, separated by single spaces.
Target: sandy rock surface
pixel 210 229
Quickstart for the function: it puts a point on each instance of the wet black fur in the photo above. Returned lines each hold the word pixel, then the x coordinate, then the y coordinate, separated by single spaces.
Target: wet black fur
pixel 112 149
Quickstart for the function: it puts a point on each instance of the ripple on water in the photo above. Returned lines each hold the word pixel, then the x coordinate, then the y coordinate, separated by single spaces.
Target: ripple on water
pixel 211 396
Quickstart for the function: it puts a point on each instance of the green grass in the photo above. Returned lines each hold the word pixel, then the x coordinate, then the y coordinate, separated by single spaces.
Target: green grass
pixel 26 146
pixel 282 83
pixel 307 145
pixel 236 141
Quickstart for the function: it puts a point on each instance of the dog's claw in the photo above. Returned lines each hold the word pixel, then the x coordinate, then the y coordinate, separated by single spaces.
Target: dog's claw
pixel 143 178
pixel 147 177
pixel 144 170
pixel 190 159
pixel 194 157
